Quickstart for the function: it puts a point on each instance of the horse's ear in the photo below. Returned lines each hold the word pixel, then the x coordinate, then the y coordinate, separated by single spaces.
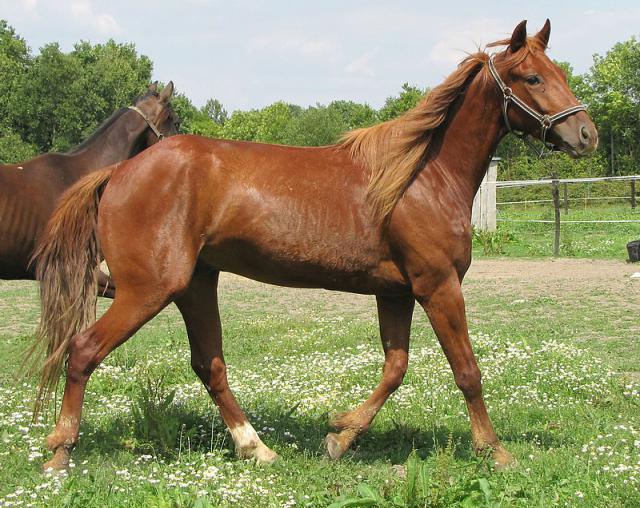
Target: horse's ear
pixel 153 87
pixel 167 92
pixel 543 34
pixel 519 36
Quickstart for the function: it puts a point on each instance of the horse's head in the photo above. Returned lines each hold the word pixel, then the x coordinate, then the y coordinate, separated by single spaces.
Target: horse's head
pixel 537 98
pixel 156 109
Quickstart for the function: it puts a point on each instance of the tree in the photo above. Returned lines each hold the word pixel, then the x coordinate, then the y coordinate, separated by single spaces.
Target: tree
pixel 272 124
pixel 354 115
pixel 215 111
pixel 315 126
pixel 614 103
pixel 14 64
pixel 395 106
pixel 113 75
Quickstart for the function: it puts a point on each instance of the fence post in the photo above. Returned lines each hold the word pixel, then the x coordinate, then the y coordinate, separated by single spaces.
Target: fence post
pixel 566 198
pixel 633 193
pixel 555 191
pixel 483 213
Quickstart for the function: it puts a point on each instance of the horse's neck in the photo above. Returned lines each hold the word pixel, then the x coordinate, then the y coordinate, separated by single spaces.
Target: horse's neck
pixel 121 140
pixel 469 140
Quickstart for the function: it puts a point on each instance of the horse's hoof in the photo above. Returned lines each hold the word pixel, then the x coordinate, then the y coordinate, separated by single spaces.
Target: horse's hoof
pixel 503 459
pixel 59 463
pixel 261 453
pixel 265 455
pixel 334 447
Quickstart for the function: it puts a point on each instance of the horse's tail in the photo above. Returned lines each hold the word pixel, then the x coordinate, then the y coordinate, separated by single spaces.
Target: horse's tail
pixel 67 259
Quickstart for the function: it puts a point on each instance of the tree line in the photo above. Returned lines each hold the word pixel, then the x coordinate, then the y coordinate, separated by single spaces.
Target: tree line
pixel 53 100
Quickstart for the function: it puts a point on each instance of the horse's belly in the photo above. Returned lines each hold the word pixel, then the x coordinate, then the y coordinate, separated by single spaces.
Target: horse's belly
pixel 19 227
pixel 340 271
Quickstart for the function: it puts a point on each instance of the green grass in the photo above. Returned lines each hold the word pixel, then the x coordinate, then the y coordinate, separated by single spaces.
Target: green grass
pixel 594 241
pixel 151 437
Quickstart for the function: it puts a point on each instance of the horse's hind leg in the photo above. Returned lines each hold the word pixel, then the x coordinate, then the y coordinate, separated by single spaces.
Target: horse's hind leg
pixel 199 307
pixel 129 311
pixel 394 315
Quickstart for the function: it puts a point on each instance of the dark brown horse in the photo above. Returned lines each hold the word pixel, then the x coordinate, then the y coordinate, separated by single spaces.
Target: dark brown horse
pixel 29 190
pixel 386 212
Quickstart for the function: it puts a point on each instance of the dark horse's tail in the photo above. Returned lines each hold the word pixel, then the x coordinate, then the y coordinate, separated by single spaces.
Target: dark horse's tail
pixel 67 260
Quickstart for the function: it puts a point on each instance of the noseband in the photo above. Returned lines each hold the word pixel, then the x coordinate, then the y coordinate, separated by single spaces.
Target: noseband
pixel 545 121
pixel 151 125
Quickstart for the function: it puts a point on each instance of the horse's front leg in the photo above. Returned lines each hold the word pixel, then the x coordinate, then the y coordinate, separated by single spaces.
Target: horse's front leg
pixel 394 315
pixel 444 304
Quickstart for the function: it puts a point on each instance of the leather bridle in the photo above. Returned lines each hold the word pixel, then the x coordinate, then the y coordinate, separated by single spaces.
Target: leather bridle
pixel 545 121
pixel 152 126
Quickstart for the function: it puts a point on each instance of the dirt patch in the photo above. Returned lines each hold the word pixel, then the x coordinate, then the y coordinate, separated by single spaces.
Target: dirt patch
pixel 564 280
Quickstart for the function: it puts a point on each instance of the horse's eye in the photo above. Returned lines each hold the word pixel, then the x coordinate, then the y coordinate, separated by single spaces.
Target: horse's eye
pixel 532 80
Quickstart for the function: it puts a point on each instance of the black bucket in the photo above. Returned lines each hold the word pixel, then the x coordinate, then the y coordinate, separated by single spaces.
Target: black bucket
pixel 633 248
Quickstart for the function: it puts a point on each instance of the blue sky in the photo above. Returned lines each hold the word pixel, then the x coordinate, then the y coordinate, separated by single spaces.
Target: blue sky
pixel 249 53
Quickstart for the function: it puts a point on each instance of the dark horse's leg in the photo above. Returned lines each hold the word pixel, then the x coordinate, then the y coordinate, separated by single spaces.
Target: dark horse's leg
pixel 106 287
pixel 199 308
pixel 444 305
pixel 394 315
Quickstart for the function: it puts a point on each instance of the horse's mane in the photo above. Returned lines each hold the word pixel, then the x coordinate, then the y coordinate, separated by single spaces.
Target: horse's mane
pixel 396 150
pixel 106 124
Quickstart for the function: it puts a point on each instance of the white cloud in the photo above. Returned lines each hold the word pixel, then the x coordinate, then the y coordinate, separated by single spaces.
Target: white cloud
pixel 361 65
pixel 29 5
pixel 104 23
pixel 294 43
pixel 457 39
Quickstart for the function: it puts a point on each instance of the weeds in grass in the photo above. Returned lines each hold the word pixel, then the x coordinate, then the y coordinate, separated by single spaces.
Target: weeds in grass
pixel 493 242
pixel 155 424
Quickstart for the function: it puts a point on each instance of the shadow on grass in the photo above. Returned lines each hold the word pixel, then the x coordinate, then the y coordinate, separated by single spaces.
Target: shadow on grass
pixel 202 433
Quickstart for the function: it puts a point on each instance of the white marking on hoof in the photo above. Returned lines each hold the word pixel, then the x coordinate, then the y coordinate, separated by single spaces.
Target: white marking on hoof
pixel 250 446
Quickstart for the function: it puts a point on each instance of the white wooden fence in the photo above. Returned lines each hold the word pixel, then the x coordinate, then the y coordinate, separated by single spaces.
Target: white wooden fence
pixel 483 213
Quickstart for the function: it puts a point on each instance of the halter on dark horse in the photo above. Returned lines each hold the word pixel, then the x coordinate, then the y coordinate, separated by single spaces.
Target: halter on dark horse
pixel 29 191
pixel 386 212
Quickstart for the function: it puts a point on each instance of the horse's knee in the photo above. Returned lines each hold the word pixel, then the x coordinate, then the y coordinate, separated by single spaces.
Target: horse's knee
pixel 469 380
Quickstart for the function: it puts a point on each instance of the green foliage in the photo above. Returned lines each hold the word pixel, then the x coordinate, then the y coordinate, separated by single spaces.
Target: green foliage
pixel 242 125
pixel 315 126
pixel 612 90
pixel 155 425
pixel 215 111
pixel 13 149
pixel 272 122
pixel 193 120
pixel 493 242
pixel 395 106
pixel 54 100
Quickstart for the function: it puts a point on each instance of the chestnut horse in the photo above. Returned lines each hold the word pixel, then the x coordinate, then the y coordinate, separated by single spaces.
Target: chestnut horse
pixel 29 190
pixel 385 212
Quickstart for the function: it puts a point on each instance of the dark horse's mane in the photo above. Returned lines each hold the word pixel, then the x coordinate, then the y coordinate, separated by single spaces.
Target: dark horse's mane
pixel 396 150
pixel 106 124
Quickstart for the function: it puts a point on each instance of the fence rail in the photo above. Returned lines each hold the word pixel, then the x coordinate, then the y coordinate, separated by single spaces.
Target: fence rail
pixel 549 181
pixel 484 215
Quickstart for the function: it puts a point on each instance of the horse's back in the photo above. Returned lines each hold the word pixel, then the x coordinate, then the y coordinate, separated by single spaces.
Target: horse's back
pixel 280 214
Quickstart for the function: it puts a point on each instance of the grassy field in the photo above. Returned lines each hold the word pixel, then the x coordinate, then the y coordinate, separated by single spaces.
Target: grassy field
pixel 560 364
pixel 593 241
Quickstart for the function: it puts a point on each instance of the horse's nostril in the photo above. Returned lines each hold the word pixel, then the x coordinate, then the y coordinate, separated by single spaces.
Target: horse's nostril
pixel 584 134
